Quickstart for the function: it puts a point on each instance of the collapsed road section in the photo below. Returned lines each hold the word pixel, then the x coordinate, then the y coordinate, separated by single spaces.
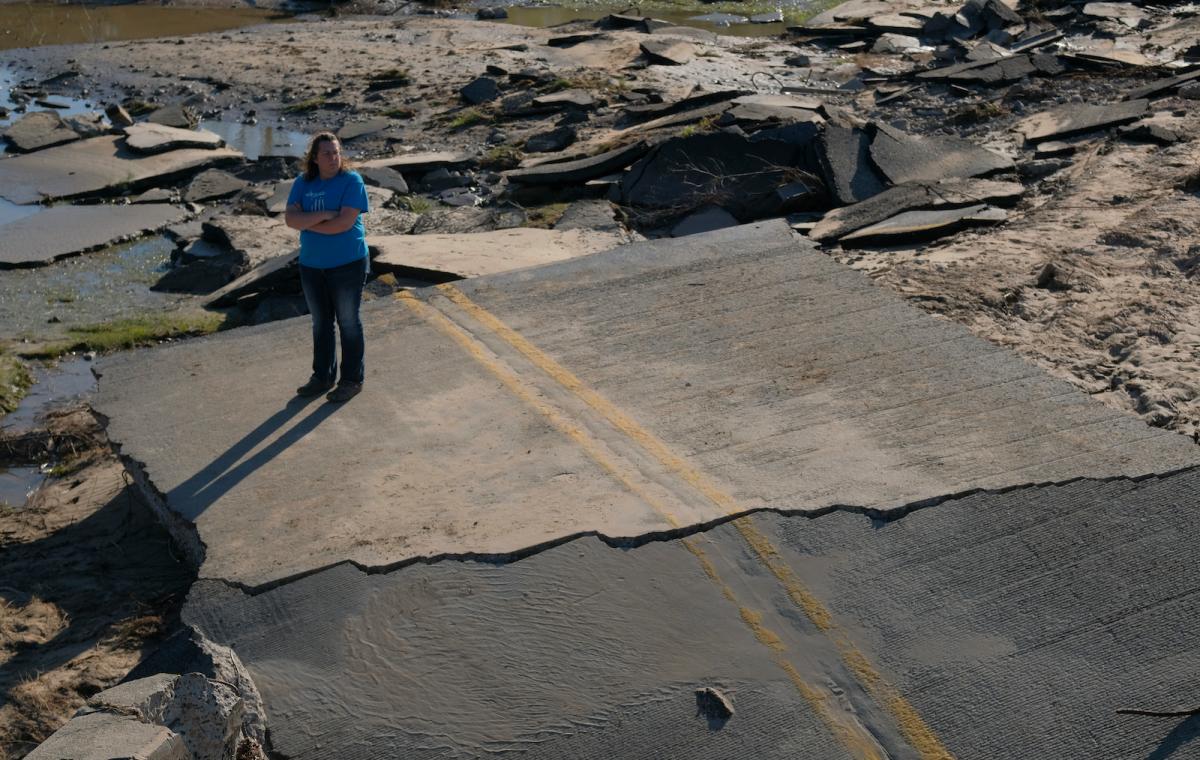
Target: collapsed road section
pixel 636 394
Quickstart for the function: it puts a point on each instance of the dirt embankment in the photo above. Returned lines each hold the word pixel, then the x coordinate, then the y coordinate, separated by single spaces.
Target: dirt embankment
pixel 90 582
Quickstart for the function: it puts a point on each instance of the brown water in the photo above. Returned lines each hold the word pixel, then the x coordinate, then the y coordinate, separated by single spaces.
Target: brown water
pixel 36 24
pixel 546 16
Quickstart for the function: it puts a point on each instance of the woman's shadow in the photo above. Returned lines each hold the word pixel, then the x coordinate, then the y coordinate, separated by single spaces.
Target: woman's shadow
pixel 196 494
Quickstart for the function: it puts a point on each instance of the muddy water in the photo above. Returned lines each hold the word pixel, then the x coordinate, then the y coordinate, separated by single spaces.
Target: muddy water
pixel 65 382
pixel 107 285
pixel 54 386
pixel 37 24
pixel 258 140
pixel 545 16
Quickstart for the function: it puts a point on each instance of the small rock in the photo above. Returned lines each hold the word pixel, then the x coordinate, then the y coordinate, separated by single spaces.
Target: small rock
pixel 386 178
pixel 211 184
pixel 491 14
pixel 444 179
pixel 460 196
pixel 176 115
pixel 549 142
pixel 713 705
pixel 480 90
pixel 706 219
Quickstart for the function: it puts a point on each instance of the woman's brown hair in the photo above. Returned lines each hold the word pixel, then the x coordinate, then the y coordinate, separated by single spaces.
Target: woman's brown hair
pixel 311 171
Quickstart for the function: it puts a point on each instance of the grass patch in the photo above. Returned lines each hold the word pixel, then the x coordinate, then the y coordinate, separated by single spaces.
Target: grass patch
pixel 469 117
pixel 303 106
pixel 707 124
pixel 131 333
pixel 137 108
pixel 399 113
pixel 418 204
pixel 545 217
pixel 14 382
pixel 501 157
pixel 392 75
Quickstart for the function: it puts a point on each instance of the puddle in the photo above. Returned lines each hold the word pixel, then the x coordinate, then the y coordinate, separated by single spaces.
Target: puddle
pixel 68 380
pixel 546 16
pixel 258 140
pixel 9 80
pixel 17 484
pixel 40 303
pixel 38 24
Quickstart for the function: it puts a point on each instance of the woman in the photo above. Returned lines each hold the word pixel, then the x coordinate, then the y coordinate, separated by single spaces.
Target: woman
pixel 326 204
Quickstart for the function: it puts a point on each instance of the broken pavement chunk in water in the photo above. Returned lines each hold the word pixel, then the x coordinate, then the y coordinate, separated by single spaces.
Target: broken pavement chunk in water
pixel 38 130
pixel 150 138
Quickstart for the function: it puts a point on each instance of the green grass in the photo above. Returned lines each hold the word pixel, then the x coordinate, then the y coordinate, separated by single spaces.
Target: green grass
pixel 469 117
pixel 399 113
pixel 14 382
pixel 131 333
pixel 137 108
pixel 707 124
pixel 396 76
pixel 418 204
pixel 547 216
pixel 501 157
pixel 311 104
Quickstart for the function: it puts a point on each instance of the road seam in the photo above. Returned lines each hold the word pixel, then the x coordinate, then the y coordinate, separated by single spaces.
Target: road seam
pixel 919 735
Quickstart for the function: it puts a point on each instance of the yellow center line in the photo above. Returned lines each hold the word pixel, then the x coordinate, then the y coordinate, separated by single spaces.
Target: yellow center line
pixel 917 732
pixel 852 735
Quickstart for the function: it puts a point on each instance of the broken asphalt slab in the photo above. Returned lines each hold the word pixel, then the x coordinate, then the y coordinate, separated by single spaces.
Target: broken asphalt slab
pixel 581 169
pixel 68 230
pixel 1070 120
pixel 1003 624
pixel 482 253
pixel 785 378
pixel 922 225
pixel 94 166
pixel 910 197
pixel 910 158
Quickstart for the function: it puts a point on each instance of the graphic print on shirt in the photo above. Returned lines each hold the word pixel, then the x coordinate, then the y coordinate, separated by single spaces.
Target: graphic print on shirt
pixel 314 200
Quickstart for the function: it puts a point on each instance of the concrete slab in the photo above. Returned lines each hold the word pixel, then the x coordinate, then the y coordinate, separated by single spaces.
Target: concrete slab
pixel 69 230
pixel 1077 119
pixel 1019 623
pixel 97 165
pixel 668 52
pixel 481 253
pixel 554 657
pixel 782 377
pixel 255 238
pixel 38 130
pixel 419 163
pixel 994 625
pixel 149 138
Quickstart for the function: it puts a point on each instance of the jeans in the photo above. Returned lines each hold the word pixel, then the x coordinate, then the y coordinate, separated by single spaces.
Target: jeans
pixel 336 293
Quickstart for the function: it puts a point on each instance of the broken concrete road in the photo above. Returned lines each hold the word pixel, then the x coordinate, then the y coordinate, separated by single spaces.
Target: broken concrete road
pixel 999 625
pixel 68 230
pixel 96 165
pixel 1077 119
pixel 482 253
pixel 829 401
pixel 606 443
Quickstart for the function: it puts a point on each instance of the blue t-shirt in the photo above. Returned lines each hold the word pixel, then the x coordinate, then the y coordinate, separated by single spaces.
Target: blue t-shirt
pixel 326 251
